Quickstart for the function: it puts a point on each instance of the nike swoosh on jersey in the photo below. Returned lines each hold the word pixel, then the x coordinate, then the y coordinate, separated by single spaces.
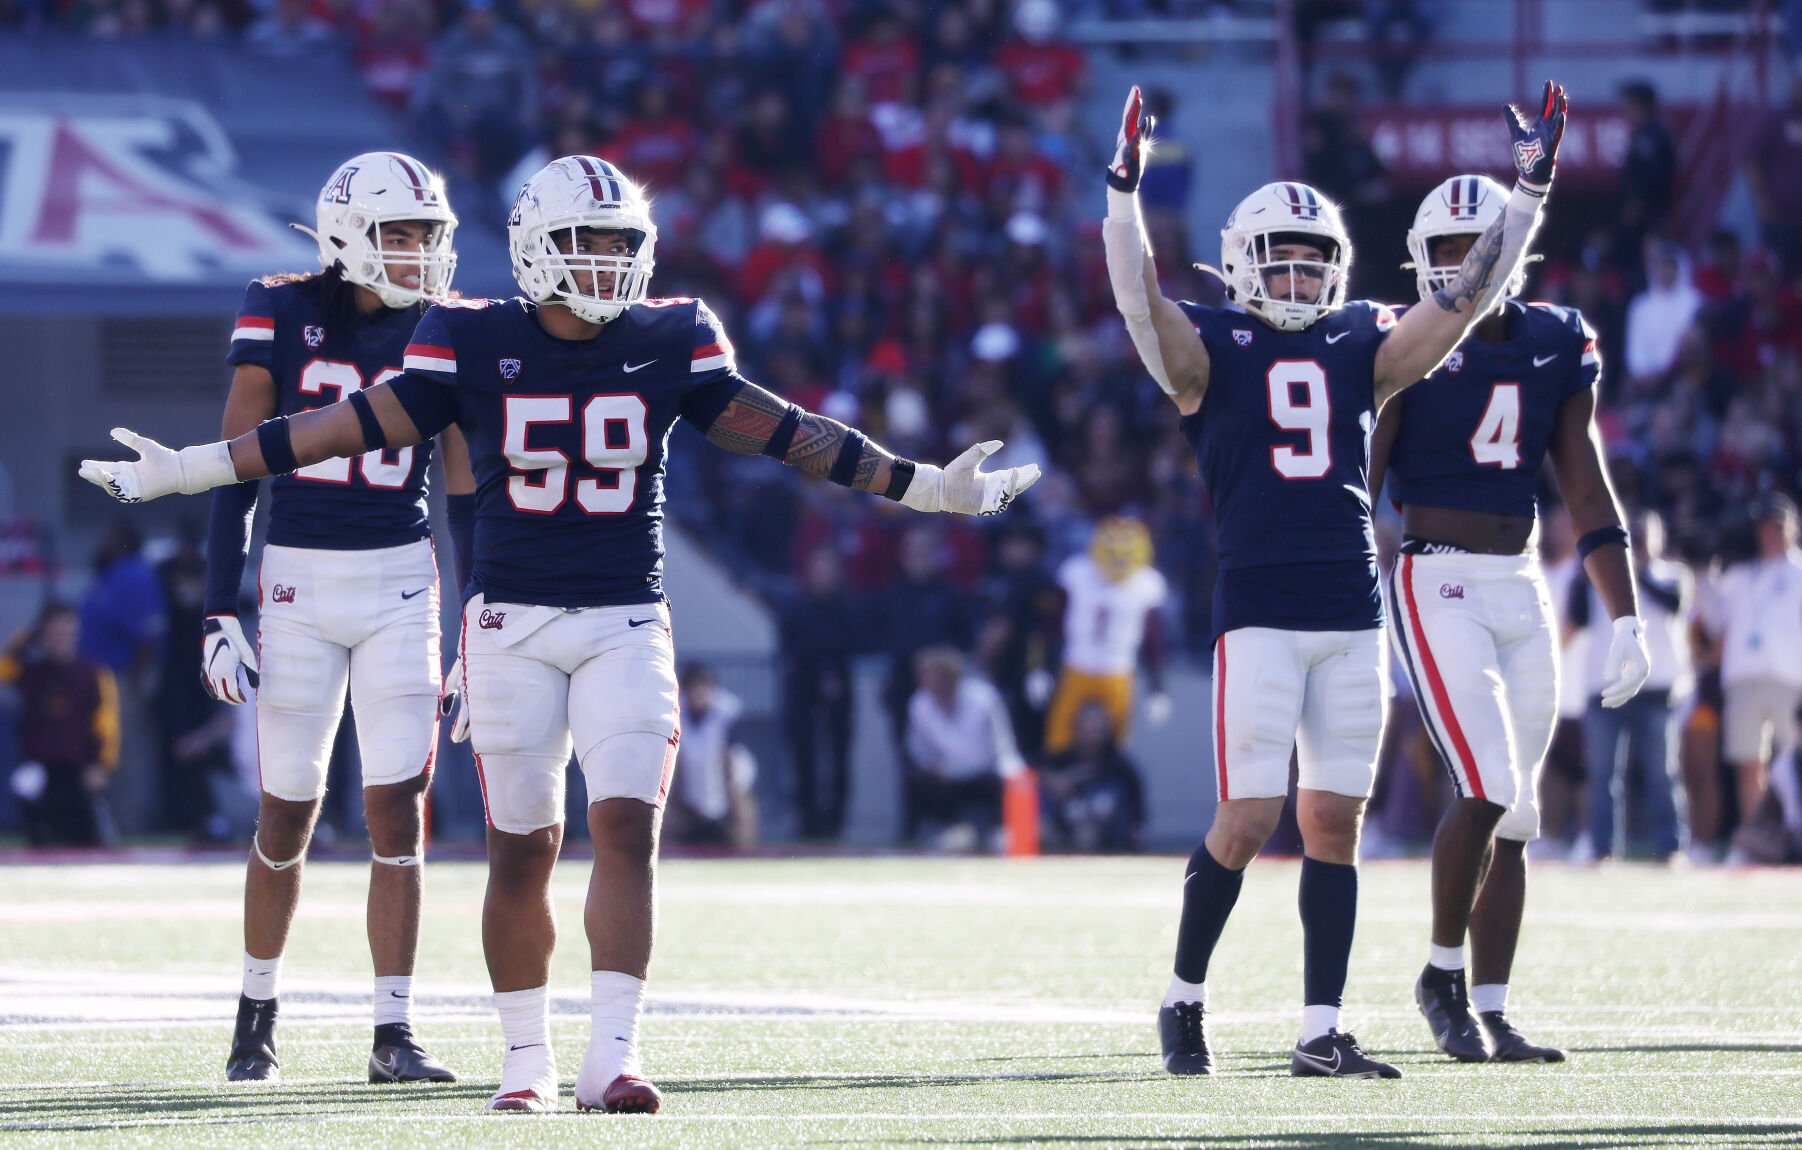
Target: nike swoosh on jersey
pixel 1541 361
pixel 629 368
pixel 410 594
pixel 1330 1067
pixel 639 622
pixel 1337 336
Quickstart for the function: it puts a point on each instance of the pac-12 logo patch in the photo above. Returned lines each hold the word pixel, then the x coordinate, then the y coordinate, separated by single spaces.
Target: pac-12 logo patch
pixel 1451 591
pixel 1454 362
pixel 282 594
pixel 338 191
pixel 509 369
pixel 1242 337
pixel 313 334
pixel 491 620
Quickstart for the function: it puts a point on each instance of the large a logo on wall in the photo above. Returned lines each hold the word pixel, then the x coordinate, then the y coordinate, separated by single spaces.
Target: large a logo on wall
pixel 111 189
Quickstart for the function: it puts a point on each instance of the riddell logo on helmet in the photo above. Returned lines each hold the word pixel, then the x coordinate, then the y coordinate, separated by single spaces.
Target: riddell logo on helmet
pixel 1451 591
pixel 491 620
pixel 283 594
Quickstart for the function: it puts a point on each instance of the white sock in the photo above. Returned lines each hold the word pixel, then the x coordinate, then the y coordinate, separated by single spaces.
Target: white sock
pixel 1489 997
pixel 1445 957
pixel 261 976
pixel 1181 991
pixel 617 1004
pixel 1317 1020
pixel 526 1029
pixel 393 998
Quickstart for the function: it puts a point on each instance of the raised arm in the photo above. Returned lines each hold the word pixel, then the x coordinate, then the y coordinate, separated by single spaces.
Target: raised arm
pixel 1166 341
pixel 1576 452
pixel 757 422
pixel 367 420
pixel 1428 333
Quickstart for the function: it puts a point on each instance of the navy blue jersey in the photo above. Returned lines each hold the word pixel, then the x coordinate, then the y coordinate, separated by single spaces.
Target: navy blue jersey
pixel 568 438
pixel 1283 440
pixel 1472 435
pixel 375 500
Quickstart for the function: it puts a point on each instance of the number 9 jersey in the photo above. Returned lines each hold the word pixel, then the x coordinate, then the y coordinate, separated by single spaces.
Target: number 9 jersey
pixel 1283 441
pixel 568 438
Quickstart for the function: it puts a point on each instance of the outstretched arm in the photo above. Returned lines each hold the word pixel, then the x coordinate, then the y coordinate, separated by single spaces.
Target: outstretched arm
pixel 1166 341
pixel 1428 333
pixel 757 422
pixel 367 420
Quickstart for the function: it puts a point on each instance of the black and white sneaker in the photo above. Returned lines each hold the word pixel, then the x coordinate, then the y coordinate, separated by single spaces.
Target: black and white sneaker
pixel 253 1043
pixel 1445 1004
pixel 1511 1045
pixel 1183 1031
pixel 398 1057
pixel 1337 1055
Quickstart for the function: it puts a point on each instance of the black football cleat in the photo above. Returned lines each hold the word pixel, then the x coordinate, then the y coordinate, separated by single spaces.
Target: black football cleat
pixel 253 1043
pixel 1511 1045
pixel 398 1057
pixel 1445 1004
pixel 1337 1055
pixel 1183 1031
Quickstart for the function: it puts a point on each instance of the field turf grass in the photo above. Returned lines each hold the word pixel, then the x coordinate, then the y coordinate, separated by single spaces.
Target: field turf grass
pixel 910 1002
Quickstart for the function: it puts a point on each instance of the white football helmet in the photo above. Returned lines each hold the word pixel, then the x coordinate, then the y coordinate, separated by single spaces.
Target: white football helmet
pixel 581 192
pixel 1275 214
pixel 378 188
pixel 1462 206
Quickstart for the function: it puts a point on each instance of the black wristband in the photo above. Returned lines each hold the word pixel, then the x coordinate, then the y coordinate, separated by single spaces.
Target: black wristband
pixel 1601 537
pixel 278 451
pixel 784 435
pixel 374 438
pixel 844 468
pixel 900 478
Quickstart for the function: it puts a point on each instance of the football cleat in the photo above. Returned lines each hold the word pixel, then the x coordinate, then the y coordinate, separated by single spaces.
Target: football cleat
pixel 1337 1055
pixel 626 1094
pixel 1511 1045
pixel 528 1080
pixel 1183 1032
pixel 1445 1004
pixel 253 1043
pixel 398 1057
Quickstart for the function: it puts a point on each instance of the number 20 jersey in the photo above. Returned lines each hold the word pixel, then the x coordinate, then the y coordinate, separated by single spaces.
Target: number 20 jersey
pixel 568 438
pixel 376 500
pixel 1283 441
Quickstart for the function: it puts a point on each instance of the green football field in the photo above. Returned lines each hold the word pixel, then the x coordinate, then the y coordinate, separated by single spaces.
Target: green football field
pixel 910 1002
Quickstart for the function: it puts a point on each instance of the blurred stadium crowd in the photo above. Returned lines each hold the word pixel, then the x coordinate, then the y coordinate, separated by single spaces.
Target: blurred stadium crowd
pixel 895 209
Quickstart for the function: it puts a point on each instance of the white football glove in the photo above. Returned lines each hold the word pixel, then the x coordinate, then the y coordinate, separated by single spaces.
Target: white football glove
pixel 1628 663
pixel 227 660
pixel 159 470
pixel 963 487
pixel 1157 708
pixel 451 702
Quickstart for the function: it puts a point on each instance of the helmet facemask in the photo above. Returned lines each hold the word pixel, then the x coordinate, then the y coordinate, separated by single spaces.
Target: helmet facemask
pixel 383 269
pixel 615 281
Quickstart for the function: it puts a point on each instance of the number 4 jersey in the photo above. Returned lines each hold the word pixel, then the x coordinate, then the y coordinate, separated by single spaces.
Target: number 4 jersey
pixel 1283 441
pixel 318 356
pixel 568 438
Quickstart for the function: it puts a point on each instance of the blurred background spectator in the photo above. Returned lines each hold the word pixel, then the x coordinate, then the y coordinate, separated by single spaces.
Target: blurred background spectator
pixel 710 801
pixel 960 745
pixel 68 732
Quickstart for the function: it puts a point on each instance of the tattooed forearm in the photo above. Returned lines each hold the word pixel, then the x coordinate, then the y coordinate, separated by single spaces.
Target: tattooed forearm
pixel 1477 272
pixel 751 420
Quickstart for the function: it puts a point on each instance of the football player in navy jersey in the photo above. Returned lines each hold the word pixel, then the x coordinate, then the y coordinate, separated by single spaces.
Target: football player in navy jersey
pixel 1279 392
pixel 348 588
pixel 1473 619
pixel 568 396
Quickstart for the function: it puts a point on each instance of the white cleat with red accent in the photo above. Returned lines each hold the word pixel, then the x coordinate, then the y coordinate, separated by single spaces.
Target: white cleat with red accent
pixel 528 1081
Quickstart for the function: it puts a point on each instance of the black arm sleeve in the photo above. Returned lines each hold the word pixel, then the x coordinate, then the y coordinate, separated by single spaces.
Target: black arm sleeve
pixel 227 543
pixel 461 511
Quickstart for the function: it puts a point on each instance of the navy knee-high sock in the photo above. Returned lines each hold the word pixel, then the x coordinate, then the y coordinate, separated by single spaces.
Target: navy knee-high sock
pixel 1209 892
pixel 1329 916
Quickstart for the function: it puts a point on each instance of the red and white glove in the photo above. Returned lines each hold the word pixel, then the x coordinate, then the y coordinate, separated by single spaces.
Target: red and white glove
pixel 1132 145
pixel 453 705
pixel 228 661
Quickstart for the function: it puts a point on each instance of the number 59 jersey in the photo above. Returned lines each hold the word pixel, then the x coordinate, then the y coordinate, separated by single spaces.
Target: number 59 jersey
pixel 1283 441
pixel 376 500
pixel 568 438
